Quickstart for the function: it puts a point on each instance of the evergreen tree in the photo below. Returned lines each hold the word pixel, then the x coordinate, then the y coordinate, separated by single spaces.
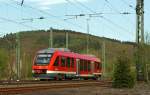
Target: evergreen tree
pixel 122 74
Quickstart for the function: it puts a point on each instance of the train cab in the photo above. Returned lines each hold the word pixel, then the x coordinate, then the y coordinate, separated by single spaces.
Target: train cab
pixel 43 61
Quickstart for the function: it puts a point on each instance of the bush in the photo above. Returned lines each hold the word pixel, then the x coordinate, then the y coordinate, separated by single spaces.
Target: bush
pixel 3 62
pixel 122 76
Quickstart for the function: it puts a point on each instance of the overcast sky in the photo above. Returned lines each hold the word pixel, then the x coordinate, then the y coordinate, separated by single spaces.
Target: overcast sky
pixel 111 23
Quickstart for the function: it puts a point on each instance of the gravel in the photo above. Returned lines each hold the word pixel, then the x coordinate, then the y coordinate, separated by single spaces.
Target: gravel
pixel 139 89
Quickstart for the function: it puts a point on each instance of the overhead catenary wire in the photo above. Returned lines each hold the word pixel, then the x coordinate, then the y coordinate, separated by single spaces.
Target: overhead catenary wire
pixel 104 18
pixel 114 23
pixel 29 19
pixel 84 6
pixel 57 16
pixel 12 6
pixel 49 14
pixel 12 21
pixel 43 12
pixel 129 5
pixel 74 24
pixel 73 4
pixel 116 10
pixel 20 21
pixel 111 6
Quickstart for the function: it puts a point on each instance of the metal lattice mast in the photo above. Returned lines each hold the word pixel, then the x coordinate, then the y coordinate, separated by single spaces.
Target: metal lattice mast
pixel 140 21
pixel 139 36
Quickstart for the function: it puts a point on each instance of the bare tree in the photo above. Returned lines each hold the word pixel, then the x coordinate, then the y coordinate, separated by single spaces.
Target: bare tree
pixel 147 38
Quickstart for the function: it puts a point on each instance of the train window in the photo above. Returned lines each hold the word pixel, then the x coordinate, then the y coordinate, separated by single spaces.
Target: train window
pixel 43 59
pixel 85 65
pixel 89 66
pixel 98 66
pixel 95 66
pixel 68 62
pixel 56 63
pixel 81 65
pixel 72 62
pixel 63 61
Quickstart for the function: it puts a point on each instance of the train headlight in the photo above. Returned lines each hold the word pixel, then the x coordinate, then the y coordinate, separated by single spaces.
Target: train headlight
pixel 33 71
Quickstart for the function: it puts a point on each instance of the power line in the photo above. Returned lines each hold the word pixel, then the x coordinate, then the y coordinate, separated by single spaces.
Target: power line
pixel 29 19
pixel 72 3
pixel 28 6
pixel 106 19
pixel 43 12
pixel 49 14
pixel 111 6
pixel 129 5
pixel 114 23
pixel 12 21
pixel 92 12
pixel 9 4
pixel 114 9
pixel 85 6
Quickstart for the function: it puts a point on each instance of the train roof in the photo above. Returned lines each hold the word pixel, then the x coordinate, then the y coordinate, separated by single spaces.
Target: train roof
pixel 52 50
pixel 80 56
pixel 67 52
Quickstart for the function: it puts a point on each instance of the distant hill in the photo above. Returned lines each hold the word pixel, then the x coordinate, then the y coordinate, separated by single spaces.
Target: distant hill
pixel 32 41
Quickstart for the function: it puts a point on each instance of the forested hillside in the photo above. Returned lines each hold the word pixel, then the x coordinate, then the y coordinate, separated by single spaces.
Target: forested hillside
pixel 32 41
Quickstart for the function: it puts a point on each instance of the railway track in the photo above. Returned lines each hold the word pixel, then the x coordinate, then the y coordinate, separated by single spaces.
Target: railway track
pixel 59 85
pixel 25 82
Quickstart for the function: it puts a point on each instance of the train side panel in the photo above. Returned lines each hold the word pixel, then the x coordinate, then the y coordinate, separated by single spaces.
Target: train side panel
pixel 68 65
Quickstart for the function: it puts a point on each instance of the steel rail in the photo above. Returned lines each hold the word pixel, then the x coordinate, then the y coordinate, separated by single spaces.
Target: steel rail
pixel 18 90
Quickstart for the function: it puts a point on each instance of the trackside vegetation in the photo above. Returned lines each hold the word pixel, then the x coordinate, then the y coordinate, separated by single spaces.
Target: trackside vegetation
pixel 123 77
pixel 3 61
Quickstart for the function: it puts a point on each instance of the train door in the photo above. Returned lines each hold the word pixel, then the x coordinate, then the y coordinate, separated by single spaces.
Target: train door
pixel 89 67
pixel 77 67
pixel 92 67
pixel 68 64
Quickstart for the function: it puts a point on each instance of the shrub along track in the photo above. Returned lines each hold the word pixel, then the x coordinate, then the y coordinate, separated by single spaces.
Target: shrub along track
pixel 50 85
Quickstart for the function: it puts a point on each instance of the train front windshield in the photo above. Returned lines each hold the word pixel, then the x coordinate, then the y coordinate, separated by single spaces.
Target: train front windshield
pixel 43 59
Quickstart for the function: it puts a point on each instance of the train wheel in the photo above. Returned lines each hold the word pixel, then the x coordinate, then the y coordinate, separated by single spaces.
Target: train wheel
pixel 70 78
pixel 63 77
pixel 58 77
pixel 85 78
pixel 98 77
pixel 42 79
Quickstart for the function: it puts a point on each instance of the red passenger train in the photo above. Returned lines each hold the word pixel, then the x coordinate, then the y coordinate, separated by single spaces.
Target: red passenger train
pixel 60 63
